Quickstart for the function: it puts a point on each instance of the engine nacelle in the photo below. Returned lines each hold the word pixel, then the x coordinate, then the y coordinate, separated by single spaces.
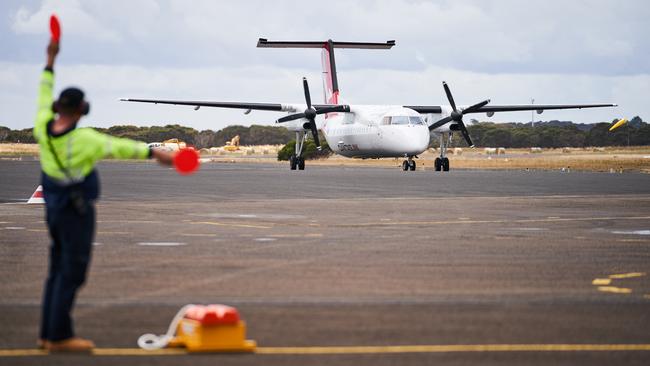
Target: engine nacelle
pixel 540 111
pixel 490 114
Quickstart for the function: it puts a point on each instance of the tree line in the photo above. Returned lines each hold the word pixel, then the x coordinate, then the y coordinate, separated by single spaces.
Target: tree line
pixel 551 134
pixel 253 135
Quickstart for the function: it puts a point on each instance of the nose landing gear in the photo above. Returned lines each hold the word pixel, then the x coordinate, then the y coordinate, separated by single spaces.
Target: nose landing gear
pixel 409 164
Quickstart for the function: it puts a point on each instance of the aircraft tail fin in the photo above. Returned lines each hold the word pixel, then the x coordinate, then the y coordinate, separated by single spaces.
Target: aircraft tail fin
pixel 330 79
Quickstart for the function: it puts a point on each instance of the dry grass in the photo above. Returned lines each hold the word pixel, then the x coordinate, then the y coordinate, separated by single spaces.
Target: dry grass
pixel 18 149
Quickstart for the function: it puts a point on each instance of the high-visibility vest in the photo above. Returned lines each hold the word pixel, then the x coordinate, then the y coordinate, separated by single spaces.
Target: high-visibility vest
pixel 80 149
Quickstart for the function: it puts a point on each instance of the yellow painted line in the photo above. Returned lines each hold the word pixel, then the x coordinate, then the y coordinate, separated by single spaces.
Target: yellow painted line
pixel 138 352
pixel 626 275
pixel 505 221
pixel 601 281
pixel 615 290
pixel 334 350
pixel 229 224
pixel 454 348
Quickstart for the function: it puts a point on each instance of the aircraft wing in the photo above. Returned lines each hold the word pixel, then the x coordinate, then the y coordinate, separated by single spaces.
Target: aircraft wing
pixel 237 105
pixel 537 107
pixel 511 108
pixel 278 107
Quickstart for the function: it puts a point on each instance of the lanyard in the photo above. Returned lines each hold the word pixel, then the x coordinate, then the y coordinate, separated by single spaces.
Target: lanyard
pixel 56 157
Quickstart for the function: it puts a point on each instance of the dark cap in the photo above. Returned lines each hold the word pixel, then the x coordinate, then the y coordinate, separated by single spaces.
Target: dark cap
pixel 70 99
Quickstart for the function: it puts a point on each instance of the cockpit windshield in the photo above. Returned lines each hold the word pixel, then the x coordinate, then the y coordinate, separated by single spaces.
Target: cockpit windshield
pixel 402 120
pixel 416 120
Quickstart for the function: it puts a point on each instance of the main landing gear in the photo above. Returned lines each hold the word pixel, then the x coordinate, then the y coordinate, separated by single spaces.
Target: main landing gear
pixel 296 161
pixel 408 164
pixel 442 162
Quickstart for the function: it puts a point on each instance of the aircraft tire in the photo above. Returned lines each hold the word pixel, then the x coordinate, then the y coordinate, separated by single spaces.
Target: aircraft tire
pixel 301 163
pixel 412 166
pixel 445 164
pixel 438 164
pixel 293 162
pixel 405 165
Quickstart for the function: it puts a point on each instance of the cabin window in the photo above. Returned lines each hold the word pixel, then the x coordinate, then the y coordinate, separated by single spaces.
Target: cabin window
pixel 386 120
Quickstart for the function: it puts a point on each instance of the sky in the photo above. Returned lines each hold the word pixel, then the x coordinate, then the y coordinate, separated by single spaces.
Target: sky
pixel 509 51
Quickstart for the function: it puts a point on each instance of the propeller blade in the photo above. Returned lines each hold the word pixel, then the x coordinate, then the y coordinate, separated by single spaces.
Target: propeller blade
pixel 450 98
pixel 314 132
pixel 290 117
pixel 305 85
pixel 476 107
pixel 332 109
pixel 440 123
pixel 465 133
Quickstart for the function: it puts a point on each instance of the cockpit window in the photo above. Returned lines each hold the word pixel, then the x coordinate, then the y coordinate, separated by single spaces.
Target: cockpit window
pixel 416 120
pixel 399 120
pixel 402 120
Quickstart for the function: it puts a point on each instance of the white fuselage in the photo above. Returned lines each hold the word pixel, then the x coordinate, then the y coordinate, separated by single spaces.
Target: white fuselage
pixel 374 132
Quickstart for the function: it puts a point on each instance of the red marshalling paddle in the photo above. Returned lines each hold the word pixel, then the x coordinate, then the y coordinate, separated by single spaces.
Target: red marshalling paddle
pixel 186 161
pixel 55 28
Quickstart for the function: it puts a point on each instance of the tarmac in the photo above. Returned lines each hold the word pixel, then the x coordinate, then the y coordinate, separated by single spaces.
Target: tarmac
pixel 348 265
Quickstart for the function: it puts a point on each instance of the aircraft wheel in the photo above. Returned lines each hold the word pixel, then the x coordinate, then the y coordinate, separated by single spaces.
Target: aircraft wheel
pixel 301 163
pixel 405 165
pixel 438 164
pixel 412 165
pixel 293 163
pixel 445 164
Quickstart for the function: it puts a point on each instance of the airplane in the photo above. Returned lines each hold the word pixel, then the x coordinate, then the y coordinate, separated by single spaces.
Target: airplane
pixel 368 131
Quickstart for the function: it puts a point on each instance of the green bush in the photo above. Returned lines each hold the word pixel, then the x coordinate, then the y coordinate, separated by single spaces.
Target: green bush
pixel 309 151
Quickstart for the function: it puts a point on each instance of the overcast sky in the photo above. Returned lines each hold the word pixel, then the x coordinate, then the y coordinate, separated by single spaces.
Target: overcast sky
pixel 570 51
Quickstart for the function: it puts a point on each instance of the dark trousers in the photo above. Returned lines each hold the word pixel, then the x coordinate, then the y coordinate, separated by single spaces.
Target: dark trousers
pixel 72 237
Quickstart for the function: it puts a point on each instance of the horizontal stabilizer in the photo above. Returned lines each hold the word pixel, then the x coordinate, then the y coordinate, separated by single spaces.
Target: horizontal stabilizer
pixel 264 43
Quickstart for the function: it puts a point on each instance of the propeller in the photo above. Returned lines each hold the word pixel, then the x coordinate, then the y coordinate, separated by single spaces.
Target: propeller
pixel 310 114
pixel 457 115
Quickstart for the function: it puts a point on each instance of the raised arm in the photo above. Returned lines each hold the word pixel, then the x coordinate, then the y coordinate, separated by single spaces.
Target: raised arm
pixel 44 113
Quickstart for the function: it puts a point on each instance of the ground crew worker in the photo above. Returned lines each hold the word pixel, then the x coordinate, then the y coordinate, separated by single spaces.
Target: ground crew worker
pixel 70 186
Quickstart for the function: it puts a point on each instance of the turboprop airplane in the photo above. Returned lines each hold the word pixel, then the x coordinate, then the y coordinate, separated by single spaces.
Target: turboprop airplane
pixel 368 131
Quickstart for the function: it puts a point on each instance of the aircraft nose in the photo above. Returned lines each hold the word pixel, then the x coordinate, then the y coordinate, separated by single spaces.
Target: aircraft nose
pixel 415 139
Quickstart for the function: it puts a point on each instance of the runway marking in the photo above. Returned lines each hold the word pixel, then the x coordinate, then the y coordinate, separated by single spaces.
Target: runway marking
pixel 265 239
pixel 504 221
pixel 130 222
pixel 231 224
pixel 200 235
pixel 161 244
pixel 37 230
pixel 633 232
pixel 615 290
pixel 601 281
pixel 349 350
pixel 14 228
pixel 626 275
pixel 295 235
